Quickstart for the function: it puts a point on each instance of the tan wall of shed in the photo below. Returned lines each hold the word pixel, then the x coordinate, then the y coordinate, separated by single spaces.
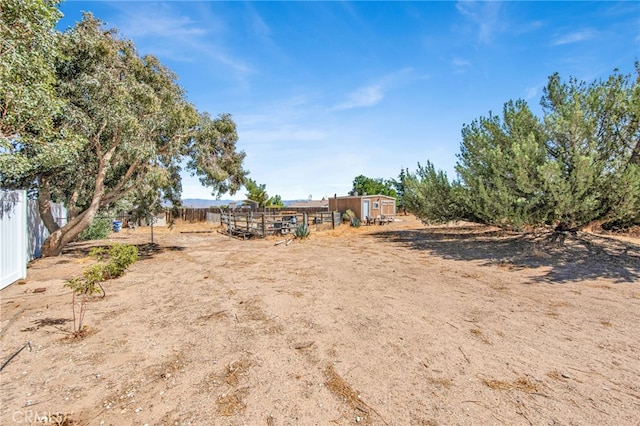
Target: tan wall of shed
pixel 386 206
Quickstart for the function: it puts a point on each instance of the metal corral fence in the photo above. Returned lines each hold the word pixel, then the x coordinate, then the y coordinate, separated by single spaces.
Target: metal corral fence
pixel 260 224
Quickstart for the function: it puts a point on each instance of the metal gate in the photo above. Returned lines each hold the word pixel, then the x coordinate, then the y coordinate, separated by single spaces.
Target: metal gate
pixel 13 236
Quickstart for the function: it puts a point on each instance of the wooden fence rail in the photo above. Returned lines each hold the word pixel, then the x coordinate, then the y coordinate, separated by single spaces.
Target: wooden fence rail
pixel 260 224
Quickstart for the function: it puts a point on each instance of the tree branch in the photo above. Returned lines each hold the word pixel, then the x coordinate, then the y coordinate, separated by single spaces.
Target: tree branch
pixel 44 206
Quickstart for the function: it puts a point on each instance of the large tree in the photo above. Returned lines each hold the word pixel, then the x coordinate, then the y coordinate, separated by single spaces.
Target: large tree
pixel 28 101
pixel 579 165
pixel 431 197
pixel 256 192
pixel 499 164
pixel 130 127
pixel 593 146
pixel 363 185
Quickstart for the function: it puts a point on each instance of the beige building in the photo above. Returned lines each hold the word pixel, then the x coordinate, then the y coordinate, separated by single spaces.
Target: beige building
pixel 366 206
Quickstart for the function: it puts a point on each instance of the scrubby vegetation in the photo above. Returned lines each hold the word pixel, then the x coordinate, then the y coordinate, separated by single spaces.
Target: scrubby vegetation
pixel 577 166
pixel 112 263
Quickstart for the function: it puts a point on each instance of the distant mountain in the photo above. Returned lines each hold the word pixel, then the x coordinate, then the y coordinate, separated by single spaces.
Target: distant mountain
pixel 199 203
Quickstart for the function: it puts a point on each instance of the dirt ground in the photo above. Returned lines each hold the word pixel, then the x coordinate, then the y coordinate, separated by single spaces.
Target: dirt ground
pixel 402 324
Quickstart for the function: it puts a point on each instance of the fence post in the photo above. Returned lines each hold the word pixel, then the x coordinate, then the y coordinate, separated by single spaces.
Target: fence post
pixel 333 220
pixel 264 227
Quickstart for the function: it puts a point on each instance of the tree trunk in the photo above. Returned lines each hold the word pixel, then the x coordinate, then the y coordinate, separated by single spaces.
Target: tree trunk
pixel 56 241
pixel 44 208
pixel 59 238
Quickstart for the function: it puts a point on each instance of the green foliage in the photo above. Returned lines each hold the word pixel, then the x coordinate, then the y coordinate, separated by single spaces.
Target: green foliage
pixel 112 264
pixel 98 230
pixel 431 197
pixel 275 201
pixel 302 231
pixel 577 165
pixel 355 222
pixel 348 215
pixel 400 186
pixel 91 106
pixel 499 165
pixel 121 256
pixel 593 146
pixel 363 185
pixel 97 252
pixel 28 102
pixel 256 192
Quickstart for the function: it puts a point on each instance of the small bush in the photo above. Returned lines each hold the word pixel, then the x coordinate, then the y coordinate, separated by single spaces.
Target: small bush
pixel 98 230
pixel 348 215
pixel 355 222
pixel 121 256
pixel 112 265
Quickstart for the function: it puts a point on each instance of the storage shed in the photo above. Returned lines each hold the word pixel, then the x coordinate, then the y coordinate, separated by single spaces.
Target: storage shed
pixel 378 207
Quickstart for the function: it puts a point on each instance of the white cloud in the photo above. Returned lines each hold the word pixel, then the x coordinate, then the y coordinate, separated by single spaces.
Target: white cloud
pixel 162 29
pixel 485 15
pixel 574 37
pixel 531 92
pixel 460 65
pixel 362 97
pixel 158 20
pixel 373 93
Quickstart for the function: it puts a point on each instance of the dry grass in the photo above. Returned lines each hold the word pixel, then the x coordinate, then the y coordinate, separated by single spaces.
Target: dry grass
pixel 478 333
pixel 232 403
pixel 340 388
pixel 441 381
pixel 521 384
pixel 235 370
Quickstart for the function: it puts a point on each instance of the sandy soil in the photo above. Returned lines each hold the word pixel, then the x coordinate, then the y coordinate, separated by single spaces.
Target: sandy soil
pixel 384 325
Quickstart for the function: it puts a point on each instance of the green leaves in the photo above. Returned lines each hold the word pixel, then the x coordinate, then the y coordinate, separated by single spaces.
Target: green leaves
pixel 363 185
pixel 499 167
pixel 87 121
pixel 577 165
pixel 592 132
pixel 431 197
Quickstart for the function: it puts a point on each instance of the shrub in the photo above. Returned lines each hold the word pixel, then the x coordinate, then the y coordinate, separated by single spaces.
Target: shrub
pixel 302 231
pixel 348 215
pixel 118 258
pixel 98 230
pixel 355 222
pixel 121 256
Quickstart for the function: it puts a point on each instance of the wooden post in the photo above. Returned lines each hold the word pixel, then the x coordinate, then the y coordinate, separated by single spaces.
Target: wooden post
pixel 264 227
pixel 333 220
pixel 305 219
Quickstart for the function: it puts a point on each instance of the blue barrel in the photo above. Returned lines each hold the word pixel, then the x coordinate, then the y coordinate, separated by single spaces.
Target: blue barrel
pixel 117 226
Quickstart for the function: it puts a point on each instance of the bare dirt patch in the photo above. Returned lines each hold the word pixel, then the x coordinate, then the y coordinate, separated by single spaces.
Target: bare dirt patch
pixel 397 324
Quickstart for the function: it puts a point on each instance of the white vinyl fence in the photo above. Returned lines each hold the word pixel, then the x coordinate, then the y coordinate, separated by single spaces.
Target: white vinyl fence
pixel 13 236
pixel 21 233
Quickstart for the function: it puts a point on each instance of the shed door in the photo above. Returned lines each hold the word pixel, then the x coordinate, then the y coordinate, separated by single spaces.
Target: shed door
pixel 365 209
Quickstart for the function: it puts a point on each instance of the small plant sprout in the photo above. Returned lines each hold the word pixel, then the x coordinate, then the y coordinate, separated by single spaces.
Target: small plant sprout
pixel 112 264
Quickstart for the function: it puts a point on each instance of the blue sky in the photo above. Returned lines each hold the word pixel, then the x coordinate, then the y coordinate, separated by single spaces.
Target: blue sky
pixel 324 91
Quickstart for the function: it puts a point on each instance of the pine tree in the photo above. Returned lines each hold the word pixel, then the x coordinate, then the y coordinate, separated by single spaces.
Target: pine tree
pixel 499 167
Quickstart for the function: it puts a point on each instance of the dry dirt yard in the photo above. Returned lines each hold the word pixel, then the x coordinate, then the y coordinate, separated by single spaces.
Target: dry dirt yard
pixel 383 325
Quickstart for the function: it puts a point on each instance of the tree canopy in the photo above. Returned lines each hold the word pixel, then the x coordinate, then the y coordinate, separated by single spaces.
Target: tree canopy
pixel 577 165
pixel 121 126
pixel 363 185
pixel 258 193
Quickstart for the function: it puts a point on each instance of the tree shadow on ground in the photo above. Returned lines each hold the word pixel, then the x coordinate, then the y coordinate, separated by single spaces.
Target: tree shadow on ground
pixel 145 250
pixel 573 257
